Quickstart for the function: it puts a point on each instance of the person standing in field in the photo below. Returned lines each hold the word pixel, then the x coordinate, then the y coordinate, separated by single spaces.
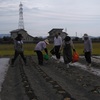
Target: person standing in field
pixel 40 46
pixel 18 46
pixel 87 49
pixel 67 47
pixel 57 46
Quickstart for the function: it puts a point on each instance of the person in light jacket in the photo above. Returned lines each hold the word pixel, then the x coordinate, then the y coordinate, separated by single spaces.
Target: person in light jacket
pixel 57 46
pixel 40 46
pixel 87 49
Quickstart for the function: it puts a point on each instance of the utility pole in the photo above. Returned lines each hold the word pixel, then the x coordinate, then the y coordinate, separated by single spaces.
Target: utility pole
pixel 66 30
pixel 21 20
pixel 76 34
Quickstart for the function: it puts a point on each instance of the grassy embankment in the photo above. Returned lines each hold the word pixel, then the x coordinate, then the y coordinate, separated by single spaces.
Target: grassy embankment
pixel 8 50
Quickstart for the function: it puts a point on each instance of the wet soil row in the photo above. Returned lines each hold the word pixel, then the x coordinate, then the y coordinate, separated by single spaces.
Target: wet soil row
pixel 52 81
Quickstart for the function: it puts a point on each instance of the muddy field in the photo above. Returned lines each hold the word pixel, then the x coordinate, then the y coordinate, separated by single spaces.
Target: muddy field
pixel 52 81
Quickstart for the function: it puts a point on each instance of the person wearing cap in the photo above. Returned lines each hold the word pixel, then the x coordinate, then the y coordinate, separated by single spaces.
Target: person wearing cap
pixel 40 46
pixel 87 49
pixel 67 46
pixel 18 46
pixel 57 46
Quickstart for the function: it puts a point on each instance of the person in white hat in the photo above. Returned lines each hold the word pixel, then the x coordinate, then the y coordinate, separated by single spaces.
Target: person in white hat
pixel 87 49
pixel 40 46
pixel 47 41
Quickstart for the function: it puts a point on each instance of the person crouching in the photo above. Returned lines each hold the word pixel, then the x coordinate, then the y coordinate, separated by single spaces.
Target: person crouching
pixel 40 46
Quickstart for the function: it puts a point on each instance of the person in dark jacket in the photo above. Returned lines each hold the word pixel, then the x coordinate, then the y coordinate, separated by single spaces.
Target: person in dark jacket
pixel 40 46
pixel 67 50
pixel 18 46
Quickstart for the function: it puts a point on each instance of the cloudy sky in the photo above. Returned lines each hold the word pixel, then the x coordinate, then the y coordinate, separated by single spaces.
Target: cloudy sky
pixel 40 16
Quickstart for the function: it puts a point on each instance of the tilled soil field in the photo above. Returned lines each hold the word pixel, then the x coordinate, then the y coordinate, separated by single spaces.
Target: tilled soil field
pixel 52 81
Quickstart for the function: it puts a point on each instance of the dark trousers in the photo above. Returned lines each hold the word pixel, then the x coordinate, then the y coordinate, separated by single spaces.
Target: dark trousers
pixel 40 57
pixel 57 53
pixel 88 57
pixel 17 53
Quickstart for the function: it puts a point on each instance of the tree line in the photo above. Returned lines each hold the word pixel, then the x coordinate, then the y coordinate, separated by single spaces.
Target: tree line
pixel 7 39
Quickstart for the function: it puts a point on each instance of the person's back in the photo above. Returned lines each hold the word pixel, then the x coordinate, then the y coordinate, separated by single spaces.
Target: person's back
pixel 38 49
pixel 18 46
pixel 40 46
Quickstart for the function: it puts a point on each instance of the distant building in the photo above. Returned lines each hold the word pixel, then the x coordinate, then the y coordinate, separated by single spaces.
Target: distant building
pixel 54 31
pixel 26 36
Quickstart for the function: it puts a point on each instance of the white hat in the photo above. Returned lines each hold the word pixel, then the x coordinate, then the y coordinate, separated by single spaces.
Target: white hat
pixel 47 41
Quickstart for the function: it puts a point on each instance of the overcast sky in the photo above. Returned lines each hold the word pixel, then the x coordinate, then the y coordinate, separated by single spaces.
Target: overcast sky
pixel 40 16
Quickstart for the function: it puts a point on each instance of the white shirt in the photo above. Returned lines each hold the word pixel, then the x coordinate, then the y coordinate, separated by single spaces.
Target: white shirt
pixel 57 41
